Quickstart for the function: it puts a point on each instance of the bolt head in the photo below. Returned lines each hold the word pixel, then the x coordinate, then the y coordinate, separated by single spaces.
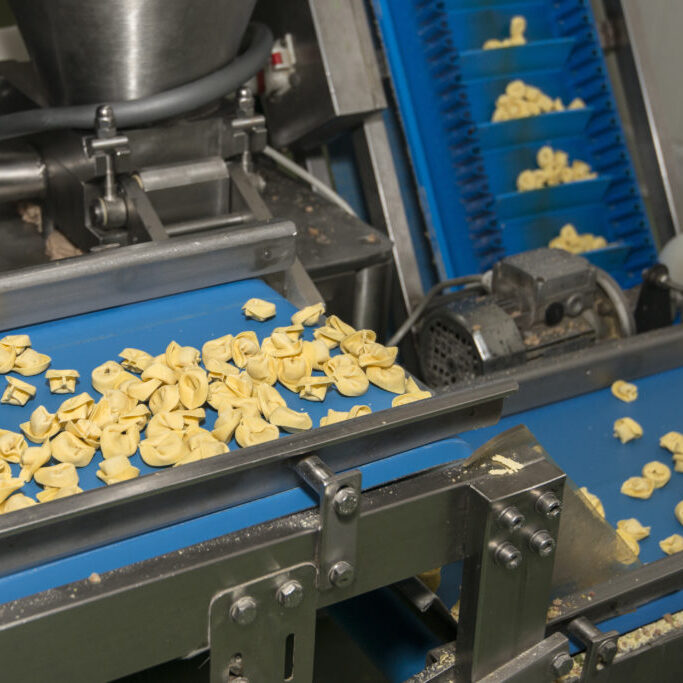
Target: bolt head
pixel 607 651
pixel 243 611
pixel 97 213
pixel 511 518
pixel 290 594
pixel 346 501
pixel 549 505
pixel 562 664
pixel 507 556
pixel 542 543
pixel 342 574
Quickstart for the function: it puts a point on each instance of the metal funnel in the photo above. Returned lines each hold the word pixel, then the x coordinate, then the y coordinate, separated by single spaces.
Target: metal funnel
pixel 93 51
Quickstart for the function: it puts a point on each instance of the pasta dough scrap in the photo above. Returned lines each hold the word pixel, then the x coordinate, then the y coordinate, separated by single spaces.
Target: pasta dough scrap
pixel 17 393
pixel 316 353
pixel 410 397
pixel 309 316
pixel 269 399
pixel 116 469
pixel 106 376
pixel 62 476
pixel 314 388
pixel 163 450
pixel 76 408
pixel 86 430
pixel 181 357
pixel 637 487
pixel 161 372
pixel 135 360
pixel 672 441
pixel 226 423
pixel 672 544
pixel 625 391
pixel 30 362
pixel 258 309
pixel 244 345
pixel 193 387
pixel 62 381
pixel 254 430
pixel 633 528
pixel 347 375
pixel 68 448
pixel 18 501
pixel 290 420
pixel 657 472
pixel 33 458
pixel 164 399
pixel 119 439
pixel 391 379
pixel 220 369
pixel 292 370
pixel 7 357
pixel 626 429
pixel 678 511
pixel 355 342
pixel 9 486
pixel 262 368
pixel 593 501
pixel 218 349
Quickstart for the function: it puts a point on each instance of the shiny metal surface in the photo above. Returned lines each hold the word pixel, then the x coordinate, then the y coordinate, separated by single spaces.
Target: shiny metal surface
pixel 89 52
pixel 22 174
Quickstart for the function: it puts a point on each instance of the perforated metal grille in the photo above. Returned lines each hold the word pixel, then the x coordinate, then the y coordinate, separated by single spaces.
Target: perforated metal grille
pixel 449 354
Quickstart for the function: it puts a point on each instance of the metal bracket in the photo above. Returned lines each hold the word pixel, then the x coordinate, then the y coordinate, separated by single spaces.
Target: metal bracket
pixel 263 631
pixel 339 505
pixel 601 646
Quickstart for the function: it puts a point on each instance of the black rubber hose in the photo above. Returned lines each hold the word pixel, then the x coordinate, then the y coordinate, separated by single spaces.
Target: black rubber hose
pixel 163 105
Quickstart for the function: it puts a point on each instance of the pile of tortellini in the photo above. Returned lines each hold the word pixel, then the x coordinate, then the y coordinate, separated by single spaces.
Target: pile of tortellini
pixel 517 38
pixel 165 395
pixel 553 169
pixel 574 242
pixel 521 100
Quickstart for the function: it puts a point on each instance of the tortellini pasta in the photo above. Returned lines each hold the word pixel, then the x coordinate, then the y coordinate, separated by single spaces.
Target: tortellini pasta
pixel 391 379
pixel 9 486
pixel 521 100
pixel 593 501
pixel 633 528
pixel 162 423
pixel 672 544
pixel 290 420
pixel 269 398
pixel 12 445
pixel 18 501
pixel 672 441
pixel 30 362
pixel 631 542
pixel 262 368
pixel 135 360
pixel 107 376
pixel 226 423
pixel 356 342
pixel 293 331
pixel 570 240
pixel 116 469
pixel 119 439
pixel 119 402
pixel 181 357
pixel 159 371
pixel 62 381
pixel 220 369
pixel 253 430
pixel 18 342
pixel 517 30
pixel 163 450
pixel 626 429
pixel 334 416
pixel 410 397
pixel 314 388
pixel 101 414
pixel 292 370
pixel 75 408
pixel 554 169
pixel 638 487
pixel 33 458
pixel 218 349
pixel 86 430
pixel 657 472
pixel 281 345
pixel 258 309
pixel 140 390
pixel 7 357
pixel 244 345
pixel 62 476
pixel 316 353
pixel 68 448
pixel 164 399
pixel 346 374
pixel 309 316
pixel 624 391
pixel 18 393
pixel 678 511
pixel 193 387
pixel 55 493
pixel 202 444
pixel 376 355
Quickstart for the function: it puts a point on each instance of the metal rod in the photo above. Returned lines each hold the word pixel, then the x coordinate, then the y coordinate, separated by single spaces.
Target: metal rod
pixel 208 223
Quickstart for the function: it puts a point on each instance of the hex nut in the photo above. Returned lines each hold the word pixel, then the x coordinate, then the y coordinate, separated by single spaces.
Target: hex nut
pixel 346 501
pixel 243 611
pixel 341 574
pixel 290 594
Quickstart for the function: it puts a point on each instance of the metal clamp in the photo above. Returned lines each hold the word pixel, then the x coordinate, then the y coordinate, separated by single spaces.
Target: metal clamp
pixel 339 504
pixel 263 631
pixel 601 646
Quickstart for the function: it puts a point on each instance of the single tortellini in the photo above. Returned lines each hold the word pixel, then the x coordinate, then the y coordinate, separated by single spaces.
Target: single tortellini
pixel 290 420
pixel 678 462
pixel 6 469
pixel 637 487
pixel 76 408
pixel 247 406
pixel 116 469
pixel 333 416
pixel 281 345
pixel 192 417
pixel 219 369
pixel 633 528
pixel 258 309
pixel 672 544
pixel 62 381
pixel 316 353
pixel 410 397
pixel 268 399
pixel 18 393
pixel 626 429
pixel 355 342
pixel 625 391
pixel 193 387
pixel 7 357
pixel 218 349
pixel 119 439
pixel 291 370
pixel 630 541
pixel 391 379
pixel 376 355
pixel 18 342
pixel 164 450
pixel 163 423
pixel 219 396
pixel 18 501
pixel 244 345
pixel 347 375
pixel 164 399
pixel 161 372
pixel 119 402
pixel 9 486
pixel 309 316
pixel 54 493
pixel 12 445
pixel 593 501
pixel 359 411
pixel 135 360
pixel 262 368
pixel 240 387
pixel 33 458
pixel 68 448
pixel 181 357
pixel 253 430
pixel 314 388
pixel 678 511
pixel 62 476
pixel 657 472
pixel 672 441
pixel 140 390
pixel 31 362
pixel 101 414
pixel 333 332
pixel 86 430
pixel 294 331
pixel 106 376
pixel 202 444
pixel 226 423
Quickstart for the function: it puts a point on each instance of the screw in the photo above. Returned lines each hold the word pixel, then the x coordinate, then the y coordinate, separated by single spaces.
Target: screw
pixel 105 121
pixel 290 594
pixel 542 542
pixel 562 664
pixel 341 575
pixel 511 518
pixel 243 611
pixel 574 305
pixel 607 651
pixel 549 505
pixel 98 214
pixel 507 556
pixel 346 501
